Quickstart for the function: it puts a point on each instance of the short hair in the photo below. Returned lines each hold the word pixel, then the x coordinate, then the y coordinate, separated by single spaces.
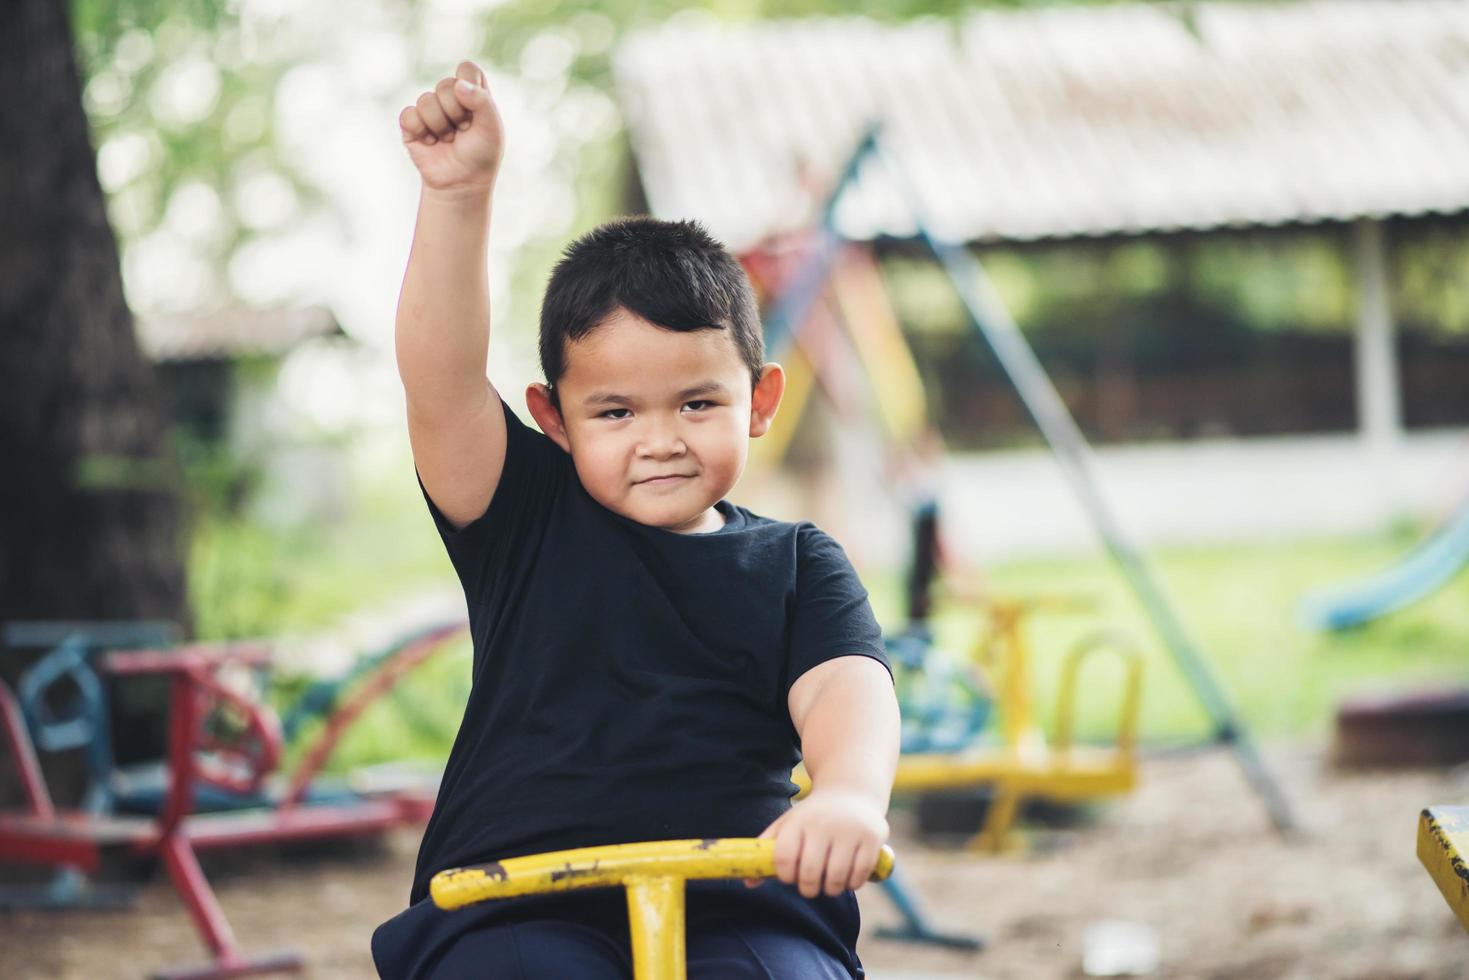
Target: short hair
pixel 673 274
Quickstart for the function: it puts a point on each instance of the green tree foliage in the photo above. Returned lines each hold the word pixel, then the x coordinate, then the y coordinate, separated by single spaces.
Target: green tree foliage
pixel 220 137
pixel 181 97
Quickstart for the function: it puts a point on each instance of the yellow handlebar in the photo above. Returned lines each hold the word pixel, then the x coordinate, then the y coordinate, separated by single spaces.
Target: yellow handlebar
pixel 653 874
pixel 612 865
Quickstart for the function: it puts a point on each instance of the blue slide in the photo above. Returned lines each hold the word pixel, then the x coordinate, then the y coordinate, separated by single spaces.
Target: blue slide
pixel 1423 570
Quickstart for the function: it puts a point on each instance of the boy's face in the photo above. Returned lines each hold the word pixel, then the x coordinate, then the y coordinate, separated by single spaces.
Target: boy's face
pixel 657 422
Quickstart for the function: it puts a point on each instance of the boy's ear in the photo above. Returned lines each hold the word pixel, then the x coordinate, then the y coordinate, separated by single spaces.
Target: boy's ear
pixel 546 414
pixel 766 398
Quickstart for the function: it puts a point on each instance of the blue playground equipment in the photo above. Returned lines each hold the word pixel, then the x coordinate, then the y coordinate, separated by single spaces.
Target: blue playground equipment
pixel 1423 571
pixel 63 705
pixel 945 706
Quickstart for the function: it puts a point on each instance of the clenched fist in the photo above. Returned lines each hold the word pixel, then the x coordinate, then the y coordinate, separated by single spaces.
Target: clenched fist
pixel 453 134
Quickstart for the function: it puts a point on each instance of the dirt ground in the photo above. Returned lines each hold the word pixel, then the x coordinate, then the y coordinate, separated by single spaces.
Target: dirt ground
pixel 1190 856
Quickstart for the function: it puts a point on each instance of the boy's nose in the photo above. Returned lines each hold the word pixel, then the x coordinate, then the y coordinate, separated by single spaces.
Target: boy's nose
pixel 663 449
pixel 661 443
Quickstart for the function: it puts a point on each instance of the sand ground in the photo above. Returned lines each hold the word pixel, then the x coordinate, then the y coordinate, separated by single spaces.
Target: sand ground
pixel 1190 856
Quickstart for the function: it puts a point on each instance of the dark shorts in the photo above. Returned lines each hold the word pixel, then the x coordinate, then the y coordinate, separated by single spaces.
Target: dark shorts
pixel 585 938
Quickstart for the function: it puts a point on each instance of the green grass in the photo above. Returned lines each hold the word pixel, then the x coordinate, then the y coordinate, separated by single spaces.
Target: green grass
pixel 415 722
pixel 248 580
pixel 1238 603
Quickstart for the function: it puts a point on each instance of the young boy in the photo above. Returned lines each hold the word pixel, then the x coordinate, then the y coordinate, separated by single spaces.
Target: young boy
pixel 649 660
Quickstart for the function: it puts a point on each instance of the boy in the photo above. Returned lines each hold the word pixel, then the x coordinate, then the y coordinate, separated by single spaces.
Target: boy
pixel 648 658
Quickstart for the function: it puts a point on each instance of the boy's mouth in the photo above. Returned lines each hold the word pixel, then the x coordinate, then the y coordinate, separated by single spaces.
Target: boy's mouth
pixel 662 481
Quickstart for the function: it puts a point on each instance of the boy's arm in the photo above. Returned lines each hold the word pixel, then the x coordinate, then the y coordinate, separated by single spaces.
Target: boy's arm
pixel 455 424
pixel 846 714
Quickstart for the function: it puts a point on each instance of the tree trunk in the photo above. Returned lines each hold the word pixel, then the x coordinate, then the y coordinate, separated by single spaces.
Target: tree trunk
pixel 89 499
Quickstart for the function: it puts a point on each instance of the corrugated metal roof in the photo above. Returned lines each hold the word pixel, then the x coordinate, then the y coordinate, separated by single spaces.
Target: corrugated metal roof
pixel 1059 122
pixel 226 334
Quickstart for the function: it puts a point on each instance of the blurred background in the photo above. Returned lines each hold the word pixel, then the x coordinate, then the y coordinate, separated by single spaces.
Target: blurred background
pixel 1234 235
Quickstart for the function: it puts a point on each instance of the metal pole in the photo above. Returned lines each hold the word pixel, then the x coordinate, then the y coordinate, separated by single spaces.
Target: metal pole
pixel 1069 446
pixel 811 278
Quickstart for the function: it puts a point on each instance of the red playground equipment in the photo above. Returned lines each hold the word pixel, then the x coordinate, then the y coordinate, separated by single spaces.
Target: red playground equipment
pixel 219 741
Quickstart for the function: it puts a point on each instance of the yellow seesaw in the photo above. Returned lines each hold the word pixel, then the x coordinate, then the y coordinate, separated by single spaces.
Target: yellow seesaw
pixel 1443 847
pixel 1022 762
pixel 653 874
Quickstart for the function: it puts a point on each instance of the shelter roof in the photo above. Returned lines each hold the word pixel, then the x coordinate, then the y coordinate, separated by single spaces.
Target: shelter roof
pixel 230 333
pixel 1059 122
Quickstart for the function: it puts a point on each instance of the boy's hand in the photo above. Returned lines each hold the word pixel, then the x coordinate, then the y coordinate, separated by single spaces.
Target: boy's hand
pixel 454 134
pixel 828 842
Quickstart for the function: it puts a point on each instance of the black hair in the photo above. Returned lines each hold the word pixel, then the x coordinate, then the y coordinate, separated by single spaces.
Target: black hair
pixel 673 274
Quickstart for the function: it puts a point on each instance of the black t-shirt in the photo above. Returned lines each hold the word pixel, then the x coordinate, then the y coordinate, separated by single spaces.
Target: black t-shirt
pixel 630 683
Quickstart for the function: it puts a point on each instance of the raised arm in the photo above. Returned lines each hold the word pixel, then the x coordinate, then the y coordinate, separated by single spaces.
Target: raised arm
pixel 455 424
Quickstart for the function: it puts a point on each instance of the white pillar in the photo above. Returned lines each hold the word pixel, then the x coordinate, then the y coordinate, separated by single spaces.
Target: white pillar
pixel 1379 398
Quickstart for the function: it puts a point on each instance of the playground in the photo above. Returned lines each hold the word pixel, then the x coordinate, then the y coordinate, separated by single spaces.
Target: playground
pixel 1168 547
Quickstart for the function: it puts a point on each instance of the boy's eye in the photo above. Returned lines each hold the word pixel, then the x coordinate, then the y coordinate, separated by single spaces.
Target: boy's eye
pixel 699 405
pixel 615 413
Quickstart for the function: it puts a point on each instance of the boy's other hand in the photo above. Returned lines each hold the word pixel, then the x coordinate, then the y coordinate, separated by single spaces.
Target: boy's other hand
pixel 454 134
pixel 829 842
